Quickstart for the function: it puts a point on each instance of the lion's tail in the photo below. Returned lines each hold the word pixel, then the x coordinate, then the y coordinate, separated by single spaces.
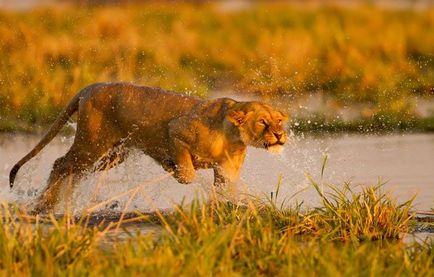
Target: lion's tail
pixel 52 132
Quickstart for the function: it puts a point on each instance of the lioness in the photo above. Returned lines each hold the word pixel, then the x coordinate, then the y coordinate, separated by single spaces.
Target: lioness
pixel 180 132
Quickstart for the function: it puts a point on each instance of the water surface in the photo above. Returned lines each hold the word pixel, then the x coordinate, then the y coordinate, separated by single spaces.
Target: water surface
pixel 404 162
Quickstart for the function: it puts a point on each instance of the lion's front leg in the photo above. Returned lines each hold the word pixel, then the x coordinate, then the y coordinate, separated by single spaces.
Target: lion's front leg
pixel 184 169
pixel 227 171
pixel 219 177
pixel 225 175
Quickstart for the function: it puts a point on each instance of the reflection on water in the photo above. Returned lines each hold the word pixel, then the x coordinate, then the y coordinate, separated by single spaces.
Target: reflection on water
pixel 405 162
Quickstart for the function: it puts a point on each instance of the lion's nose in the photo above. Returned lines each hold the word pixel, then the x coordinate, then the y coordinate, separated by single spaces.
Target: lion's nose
pixel 278 135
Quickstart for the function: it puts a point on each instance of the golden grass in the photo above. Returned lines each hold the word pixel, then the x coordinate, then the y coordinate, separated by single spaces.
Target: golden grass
pixel 361 54
pixel 221 238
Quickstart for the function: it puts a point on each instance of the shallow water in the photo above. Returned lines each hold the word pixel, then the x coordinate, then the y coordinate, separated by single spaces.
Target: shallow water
pixel 406 162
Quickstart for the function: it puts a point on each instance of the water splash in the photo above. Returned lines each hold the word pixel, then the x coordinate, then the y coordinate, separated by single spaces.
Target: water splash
pixel 362 159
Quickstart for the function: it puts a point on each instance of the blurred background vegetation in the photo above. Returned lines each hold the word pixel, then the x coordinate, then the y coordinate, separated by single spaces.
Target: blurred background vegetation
pixel 378 60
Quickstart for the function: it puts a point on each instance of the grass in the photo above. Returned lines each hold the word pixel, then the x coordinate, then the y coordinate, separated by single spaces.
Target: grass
pixel 351 233
pixel 355 55
pixel 375 124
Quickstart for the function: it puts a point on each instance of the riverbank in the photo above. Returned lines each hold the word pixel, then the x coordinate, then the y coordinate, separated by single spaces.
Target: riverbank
pixel 312 125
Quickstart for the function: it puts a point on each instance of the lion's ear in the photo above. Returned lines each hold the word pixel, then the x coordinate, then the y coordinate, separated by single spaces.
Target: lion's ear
pixel 238 117
pixel 284 116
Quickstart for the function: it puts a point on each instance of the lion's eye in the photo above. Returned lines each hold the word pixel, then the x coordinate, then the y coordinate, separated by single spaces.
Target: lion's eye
pixel 279 121
pixel 261 121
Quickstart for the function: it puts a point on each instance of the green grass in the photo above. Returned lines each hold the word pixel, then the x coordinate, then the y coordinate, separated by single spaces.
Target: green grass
pixel 350 233
pixel 376 124
pixel 358 55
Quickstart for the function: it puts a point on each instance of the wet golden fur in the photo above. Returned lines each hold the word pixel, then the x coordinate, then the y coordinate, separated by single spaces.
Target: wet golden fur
pixel 181 133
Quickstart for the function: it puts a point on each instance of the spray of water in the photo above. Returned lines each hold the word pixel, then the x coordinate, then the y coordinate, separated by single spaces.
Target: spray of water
pixel 361 159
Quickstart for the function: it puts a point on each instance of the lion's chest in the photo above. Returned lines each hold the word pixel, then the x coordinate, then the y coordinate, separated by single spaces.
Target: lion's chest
pixel 208 151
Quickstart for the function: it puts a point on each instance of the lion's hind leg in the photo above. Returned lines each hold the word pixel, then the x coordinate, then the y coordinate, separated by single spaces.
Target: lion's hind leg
pixel 112 158
pixel 63 169
pixel 67 170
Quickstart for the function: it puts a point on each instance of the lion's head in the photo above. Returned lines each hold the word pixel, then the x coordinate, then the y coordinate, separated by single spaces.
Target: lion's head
pixel 259 125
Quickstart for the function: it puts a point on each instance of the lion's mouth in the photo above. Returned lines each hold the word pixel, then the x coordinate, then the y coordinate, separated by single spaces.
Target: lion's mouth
pixel 268 145
pixel 274 147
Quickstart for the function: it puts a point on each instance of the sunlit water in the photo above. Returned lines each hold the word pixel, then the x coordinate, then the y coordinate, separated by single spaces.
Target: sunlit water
pixel 405 162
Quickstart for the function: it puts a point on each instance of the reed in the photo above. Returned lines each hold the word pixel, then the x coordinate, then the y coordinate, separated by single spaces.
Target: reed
pixel 364 54
pixel 350 233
